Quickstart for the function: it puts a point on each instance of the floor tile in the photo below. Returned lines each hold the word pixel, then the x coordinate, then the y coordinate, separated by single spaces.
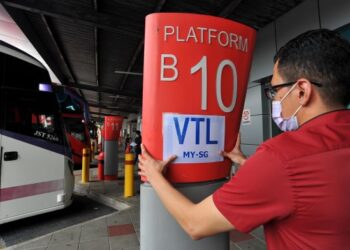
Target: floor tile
pixel 35 248
pixel 233 246
pixel 39 243
pixel 68 246
pixel 66 236
pixel 94 230
pixel 252 244
pixel 259 233
pixel 100 244
pixel 132 248
pixel 116 230
pixel 237 236
pixel 124 241
pixel 119 218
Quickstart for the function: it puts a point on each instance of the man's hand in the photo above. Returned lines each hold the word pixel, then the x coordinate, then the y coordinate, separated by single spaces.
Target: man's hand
pixel 149 166
pixel 236 154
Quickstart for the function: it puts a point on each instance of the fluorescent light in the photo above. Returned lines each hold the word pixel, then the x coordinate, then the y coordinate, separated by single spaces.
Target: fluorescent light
pixel 128 73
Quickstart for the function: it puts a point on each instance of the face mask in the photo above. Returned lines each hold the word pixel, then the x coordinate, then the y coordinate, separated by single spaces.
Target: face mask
pixel 285 124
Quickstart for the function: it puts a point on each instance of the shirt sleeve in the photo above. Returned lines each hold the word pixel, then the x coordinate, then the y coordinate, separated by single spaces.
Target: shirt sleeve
pixel 260 192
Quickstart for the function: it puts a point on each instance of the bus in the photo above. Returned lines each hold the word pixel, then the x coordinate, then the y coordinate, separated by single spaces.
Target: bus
pixel 36 169
pixel 76 119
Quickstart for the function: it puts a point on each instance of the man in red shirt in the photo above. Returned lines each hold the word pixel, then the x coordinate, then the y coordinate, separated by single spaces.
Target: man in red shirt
pixel 297 184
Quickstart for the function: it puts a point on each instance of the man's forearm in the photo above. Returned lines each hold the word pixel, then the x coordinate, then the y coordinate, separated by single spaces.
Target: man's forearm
pixel 176 203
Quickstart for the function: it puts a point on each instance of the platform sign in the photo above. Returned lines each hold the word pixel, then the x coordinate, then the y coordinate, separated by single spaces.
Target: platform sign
pixel 112 127
pixel 196 69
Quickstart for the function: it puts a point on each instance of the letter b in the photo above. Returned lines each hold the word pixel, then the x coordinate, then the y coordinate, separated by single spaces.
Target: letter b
pixel 172 67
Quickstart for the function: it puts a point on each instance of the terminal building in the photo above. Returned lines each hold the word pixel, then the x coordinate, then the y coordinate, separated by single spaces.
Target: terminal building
pixel 91 54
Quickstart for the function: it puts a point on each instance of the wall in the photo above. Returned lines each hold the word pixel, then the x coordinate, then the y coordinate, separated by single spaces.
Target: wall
pixel 311 14
pixel 259 123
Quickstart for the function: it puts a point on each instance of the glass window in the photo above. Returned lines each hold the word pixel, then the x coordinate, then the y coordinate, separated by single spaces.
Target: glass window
pixel 68 104
pixel 32 113
pixel 21 74
pixel 76 128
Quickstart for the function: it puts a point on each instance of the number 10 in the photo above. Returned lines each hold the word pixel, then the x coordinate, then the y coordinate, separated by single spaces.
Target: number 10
pixel 202 65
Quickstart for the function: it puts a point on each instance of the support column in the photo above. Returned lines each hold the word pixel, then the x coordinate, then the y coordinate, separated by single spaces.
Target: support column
pixel 111 160
pixel 112 128
pixel 159 231
pixel 191 108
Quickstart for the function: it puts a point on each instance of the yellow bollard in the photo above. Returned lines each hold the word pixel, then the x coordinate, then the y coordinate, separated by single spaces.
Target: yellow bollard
pixel 129 175
pixel 85 165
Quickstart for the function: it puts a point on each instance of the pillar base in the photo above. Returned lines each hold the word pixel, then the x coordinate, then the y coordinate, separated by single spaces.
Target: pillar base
pixel 111 160
pixel 159 231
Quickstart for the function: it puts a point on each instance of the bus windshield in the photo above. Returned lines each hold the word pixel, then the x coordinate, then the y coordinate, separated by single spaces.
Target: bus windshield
pixel 76 128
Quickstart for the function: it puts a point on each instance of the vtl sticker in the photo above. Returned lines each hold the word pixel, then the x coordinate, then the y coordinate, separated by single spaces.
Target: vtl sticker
pixel 193 138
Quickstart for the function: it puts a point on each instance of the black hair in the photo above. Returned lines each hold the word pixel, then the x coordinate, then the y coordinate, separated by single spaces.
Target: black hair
pixel 320 56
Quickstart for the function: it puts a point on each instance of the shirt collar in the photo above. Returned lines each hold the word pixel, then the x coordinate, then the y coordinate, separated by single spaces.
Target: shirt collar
pixel 335 116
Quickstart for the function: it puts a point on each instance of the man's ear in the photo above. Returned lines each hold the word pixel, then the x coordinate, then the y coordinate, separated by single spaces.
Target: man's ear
pixel 304 87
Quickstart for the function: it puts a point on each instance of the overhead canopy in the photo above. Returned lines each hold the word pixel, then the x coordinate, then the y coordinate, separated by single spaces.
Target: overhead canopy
pixel 97 45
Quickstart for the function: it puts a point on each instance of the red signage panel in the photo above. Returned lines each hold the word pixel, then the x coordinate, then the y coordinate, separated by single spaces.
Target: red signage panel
pixel 196 69
pixel 112 127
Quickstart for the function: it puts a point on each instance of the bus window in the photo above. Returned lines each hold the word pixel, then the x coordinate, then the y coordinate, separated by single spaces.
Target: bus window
pixel 29 77
pixel 24 114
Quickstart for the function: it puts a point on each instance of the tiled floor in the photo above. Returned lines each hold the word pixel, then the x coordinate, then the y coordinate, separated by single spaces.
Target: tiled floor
pixel 119 230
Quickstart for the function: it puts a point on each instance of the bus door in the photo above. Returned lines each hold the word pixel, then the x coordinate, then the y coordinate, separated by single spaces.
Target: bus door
pixel 32 162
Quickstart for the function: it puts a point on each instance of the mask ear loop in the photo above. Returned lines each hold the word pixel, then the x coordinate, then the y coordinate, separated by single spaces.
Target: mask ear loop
pixel 288 92
pixel 297 110
pixel 284 97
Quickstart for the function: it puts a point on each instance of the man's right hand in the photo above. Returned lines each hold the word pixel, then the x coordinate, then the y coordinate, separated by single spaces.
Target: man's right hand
pixel 149 166
pixel 236 154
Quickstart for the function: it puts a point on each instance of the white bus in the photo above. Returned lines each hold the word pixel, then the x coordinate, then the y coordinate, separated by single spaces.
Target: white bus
pixel 36 170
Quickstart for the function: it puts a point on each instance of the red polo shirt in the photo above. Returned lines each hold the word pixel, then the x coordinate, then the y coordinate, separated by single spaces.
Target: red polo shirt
pixel 297 185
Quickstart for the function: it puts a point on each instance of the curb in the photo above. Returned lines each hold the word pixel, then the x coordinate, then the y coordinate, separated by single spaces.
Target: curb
pixel 100 198
pixel 108 201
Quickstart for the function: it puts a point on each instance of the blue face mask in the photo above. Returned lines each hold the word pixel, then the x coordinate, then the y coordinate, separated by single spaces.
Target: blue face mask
pixel 285 124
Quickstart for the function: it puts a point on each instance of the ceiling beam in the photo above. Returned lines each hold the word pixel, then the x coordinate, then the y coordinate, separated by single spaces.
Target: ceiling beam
pixel 139 49
pixel 229 8
pixel 58 9
pixel 103 90
pixel 101 106
pixel 128 72
pixel 112 105
pixel 60 53
pixel 105 114
pixel 132 63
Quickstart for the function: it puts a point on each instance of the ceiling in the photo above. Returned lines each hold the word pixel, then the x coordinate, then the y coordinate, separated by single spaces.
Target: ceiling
pixel 97 45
